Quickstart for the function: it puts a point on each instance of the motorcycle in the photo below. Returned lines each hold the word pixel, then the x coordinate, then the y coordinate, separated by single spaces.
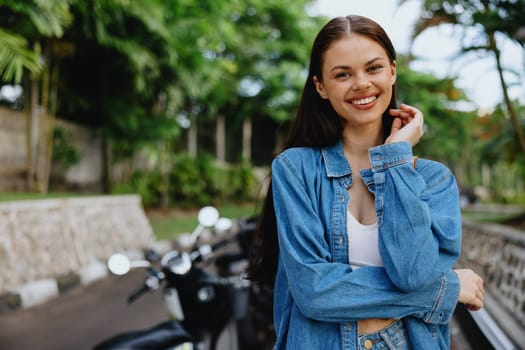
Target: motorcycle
pixel 211 304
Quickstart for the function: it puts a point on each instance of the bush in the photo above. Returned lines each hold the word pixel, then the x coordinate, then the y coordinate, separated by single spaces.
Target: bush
pixel 242 182
pixel 193 182
pixel 64 152
pixel 189 180
pixel 147 184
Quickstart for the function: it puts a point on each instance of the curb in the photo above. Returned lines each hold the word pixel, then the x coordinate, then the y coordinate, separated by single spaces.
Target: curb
pixel 42 290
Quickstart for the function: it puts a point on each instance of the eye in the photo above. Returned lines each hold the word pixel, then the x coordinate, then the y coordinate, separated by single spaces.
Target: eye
pixel 342 75
pixel 374 68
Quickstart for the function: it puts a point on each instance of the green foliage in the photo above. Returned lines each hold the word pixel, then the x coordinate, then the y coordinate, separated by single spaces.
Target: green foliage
pixel 23 25
pixel 64 152
pixel 148 184
pixel 241 183
pixel 15 55
pixel 501 143
pixel 134 67
pixel 193 182
pixel 447 130
pixel 484 26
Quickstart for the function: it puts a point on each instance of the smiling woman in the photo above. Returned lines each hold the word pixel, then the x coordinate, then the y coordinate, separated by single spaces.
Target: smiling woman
pixel 358 238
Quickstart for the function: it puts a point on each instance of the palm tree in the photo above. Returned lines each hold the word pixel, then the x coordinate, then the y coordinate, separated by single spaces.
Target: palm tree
pixel 27 34
pixel 15 56
pixel 492 16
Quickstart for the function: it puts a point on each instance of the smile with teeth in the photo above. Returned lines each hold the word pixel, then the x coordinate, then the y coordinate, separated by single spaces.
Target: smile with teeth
pixel 364 101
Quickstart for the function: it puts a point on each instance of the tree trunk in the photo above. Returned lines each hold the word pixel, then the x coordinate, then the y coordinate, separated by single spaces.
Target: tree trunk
pixel 247 140
pixel 165 166
pixel 192 136
pixel 49 103
pixel 510 107
pixel 53 98
pixel 220 139
pixel 32 132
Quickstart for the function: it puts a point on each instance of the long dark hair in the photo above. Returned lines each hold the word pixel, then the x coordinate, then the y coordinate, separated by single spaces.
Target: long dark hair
pixel 316 125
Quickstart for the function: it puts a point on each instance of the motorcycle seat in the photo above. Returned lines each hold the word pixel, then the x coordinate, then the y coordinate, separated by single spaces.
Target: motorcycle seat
pixel 162 336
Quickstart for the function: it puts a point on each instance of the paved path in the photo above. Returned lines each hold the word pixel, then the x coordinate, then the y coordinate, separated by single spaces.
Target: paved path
pixel 84 316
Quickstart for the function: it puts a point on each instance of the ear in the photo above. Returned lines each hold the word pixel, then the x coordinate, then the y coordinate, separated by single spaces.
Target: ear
pixel 393 67
pixel 319 87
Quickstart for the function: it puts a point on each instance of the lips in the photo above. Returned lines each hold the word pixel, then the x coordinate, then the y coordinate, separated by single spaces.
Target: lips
pixel 363 101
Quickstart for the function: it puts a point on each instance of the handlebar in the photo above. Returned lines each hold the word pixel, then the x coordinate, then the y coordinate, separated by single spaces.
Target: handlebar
pixel 151 283
pixel 180 263
pixel 138 293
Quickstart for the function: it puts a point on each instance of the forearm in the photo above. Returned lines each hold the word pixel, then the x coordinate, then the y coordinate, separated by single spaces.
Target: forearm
pixel 420 227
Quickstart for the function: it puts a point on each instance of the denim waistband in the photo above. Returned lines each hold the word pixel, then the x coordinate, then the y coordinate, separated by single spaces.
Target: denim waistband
pixel 392 337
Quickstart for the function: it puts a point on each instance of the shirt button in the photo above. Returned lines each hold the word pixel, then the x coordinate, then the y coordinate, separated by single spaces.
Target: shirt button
pixel 368 344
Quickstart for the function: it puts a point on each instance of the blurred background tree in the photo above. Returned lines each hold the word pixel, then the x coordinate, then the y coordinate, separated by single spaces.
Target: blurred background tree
pixel 482 27
pixel 180 80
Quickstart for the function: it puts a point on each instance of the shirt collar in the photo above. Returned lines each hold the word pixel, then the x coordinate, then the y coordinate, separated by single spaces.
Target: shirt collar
pixel 335 160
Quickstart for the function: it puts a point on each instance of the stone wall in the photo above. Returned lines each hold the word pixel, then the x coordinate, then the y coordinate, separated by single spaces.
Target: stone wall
pixel 59 238
pixel 497 253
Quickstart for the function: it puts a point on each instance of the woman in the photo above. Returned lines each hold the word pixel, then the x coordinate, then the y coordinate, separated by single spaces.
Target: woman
pixel 367 233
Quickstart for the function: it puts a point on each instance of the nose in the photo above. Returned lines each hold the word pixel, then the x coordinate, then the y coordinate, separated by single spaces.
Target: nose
pixel 361 83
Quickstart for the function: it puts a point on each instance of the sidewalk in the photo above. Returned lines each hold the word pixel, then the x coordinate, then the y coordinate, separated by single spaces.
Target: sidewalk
pixel 82 316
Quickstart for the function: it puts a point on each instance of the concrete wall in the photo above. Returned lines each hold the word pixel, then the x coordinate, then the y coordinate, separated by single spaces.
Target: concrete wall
pixel 87 173
pixel 47 244
pixel 12 150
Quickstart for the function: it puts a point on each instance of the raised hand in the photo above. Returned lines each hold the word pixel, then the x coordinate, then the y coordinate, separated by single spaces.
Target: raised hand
pixel 407 125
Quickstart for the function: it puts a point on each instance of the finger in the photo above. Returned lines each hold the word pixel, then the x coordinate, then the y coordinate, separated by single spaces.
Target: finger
pixel 403 116
pixel 408 108
pixel 397 123
pixel 412 111
pixel 473 307
pixel 400 113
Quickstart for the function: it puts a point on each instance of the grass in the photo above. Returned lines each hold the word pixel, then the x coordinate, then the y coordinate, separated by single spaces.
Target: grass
pixel 168 224
pixel 20 196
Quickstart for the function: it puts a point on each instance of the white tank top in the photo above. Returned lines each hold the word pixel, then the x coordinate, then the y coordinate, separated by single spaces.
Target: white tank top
pixel 362 243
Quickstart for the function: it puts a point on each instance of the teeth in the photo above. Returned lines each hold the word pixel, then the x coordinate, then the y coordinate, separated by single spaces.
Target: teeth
pixel 364 101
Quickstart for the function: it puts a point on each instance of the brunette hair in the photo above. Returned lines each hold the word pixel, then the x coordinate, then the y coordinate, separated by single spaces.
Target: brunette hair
pixel 316 124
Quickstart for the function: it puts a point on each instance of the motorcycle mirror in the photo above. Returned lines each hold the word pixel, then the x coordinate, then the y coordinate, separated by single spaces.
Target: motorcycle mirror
pixel 119 264
pixel 208 216
pixel 178 263
pixel 223 225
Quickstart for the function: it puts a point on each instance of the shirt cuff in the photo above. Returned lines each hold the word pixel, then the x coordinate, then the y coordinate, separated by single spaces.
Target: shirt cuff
pixel 446 299
pixel 390 154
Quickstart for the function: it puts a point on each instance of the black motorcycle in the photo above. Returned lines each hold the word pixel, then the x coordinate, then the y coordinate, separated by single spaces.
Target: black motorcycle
pixel 211 305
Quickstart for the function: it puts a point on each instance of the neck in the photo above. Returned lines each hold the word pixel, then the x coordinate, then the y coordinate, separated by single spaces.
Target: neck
pixel 357 142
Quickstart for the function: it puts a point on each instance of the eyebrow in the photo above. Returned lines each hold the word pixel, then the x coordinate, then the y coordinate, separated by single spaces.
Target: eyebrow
pixel 366 64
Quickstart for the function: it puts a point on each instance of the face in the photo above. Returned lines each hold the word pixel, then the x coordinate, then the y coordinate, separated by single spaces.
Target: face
pixel 357 79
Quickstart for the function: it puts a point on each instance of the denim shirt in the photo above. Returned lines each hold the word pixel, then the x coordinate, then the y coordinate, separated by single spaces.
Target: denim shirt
pixel 318 297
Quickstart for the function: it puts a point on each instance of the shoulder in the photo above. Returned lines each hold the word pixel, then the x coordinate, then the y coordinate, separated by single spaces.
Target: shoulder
pixel 303 163
pixel 433 172
pixel 298 156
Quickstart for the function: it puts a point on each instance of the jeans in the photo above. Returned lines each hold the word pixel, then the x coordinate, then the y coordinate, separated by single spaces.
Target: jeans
pixel 393 337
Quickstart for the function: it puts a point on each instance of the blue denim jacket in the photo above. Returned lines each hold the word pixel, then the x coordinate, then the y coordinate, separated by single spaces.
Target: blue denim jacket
pixel 318 297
